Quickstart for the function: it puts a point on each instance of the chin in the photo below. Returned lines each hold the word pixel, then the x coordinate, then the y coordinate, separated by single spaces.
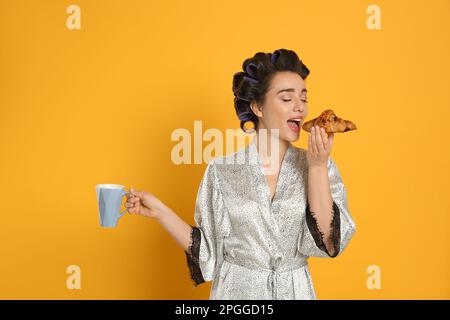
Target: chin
pixel 290 136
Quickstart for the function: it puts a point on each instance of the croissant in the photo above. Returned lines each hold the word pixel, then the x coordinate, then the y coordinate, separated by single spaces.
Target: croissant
pixel 330 122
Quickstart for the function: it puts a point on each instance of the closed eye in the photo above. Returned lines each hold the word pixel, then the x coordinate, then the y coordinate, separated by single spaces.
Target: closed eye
pixel 287 100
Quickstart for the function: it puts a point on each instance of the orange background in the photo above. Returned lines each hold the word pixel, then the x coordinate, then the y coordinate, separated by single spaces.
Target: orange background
pixel 98 105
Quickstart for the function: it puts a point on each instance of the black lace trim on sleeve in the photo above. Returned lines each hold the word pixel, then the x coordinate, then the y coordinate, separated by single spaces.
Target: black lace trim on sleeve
pixel 192 256
pixel 318 236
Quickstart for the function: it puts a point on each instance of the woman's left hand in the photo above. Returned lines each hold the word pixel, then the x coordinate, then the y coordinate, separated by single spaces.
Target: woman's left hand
pixel 319 147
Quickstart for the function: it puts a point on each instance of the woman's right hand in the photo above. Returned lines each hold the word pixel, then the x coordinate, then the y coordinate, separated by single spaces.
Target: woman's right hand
pixel 143 203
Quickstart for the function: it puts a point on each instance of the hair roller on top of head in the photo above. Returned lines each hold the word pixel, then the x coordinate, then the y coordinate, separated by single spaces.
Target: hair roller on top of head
pixel 275 56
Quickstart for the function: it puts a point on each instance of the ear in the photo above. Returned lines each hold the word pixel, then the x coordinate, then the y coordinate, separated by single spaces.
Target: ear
pixel 255 108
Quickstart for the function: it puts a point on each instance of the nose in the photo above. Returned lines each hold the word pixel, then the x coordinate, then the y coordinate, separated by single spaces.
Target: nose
pixel 299 106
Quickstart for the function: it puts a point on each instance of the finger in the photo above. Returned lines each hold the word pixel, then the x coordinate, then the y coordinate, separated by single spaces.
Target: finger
pixel 133 208
pixel 331 139
pixel 313 139
pixel 129 205
pixel 323 143
pixel 309 143
pixel 324 138
pixel 320 142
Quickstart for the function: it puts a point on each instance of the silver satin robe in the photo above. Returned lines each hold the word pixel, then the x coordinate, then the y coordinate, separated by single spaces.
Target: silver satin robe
pixel 252 247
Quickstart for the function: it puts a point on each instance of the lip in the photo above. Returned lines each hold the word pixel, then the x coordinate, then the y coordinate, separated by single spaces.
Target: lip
pixel 298 117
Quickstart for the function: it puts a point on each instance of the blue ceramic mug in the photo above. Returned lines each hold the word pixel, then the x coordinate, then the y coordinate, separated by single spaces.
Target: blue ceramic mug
pixel 109 198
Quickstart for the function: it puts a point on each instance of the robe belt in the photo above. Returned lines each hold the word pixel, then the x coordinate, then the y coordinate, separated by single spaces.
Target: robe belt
pixel 274 272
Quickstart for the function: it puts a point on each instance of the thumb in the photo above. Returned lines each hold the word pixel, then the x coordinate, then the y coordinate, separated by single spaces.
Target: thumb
pixel 134 192
pixel 140 194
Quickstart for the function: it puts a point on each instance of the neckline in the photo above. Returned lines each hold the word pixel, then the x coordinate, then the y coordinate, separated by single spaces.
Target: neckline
pixel 261 175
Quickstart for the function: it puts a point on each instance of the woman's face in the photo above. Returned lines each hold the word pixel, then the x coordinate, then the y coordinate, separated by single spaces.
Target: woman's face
pixel 286 99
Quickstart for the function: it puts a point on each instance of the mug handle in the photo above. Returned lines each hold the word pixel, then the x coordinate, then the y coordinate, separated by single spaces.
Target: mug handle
pixel 126 209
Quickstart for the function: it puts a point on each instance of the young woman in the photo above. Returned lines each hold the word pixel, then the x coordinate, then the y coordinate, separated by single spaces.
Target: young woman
pixel 255 227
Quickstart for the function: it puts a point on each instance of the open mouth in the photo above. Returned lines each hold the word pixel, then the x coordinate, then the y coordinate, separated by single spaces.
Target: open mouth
pixel 294 124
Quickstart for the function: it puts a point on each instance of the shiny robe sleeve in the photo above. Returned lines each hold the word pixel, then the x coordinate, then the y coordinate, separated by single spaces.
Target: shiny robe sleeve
pixel 311 243
pixel 205 252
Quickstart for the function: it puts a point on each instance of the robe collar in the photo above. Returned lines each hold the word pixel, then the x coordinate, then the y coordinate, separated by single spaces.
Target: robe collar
pixel 256 166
